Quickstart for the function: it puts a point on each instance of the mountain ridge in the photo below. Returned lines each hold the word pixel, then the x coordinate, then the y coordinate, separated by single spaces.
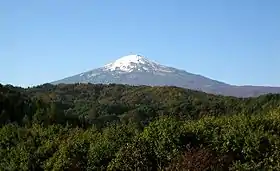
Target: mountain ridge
pixel 139 70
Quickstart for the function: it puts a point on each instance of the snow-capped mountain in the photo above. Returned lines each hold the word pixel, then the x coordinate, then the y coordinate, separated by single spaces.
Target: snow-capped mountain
pixel 138 70
pixel 132 63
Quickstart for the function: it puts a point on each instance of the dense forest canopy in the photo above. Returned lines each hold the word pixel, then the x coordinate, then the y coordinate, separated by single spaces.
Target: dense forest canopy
pixel 121 127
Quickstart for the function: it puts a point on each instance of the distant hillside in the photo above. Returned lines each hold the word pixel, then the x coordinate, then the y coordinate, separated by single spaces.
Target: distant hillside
pixel 89 103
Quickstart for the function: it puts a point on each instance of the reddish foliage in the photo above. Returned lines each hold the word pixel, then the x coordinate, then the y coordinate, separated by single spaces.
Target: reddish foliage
pixel 199 159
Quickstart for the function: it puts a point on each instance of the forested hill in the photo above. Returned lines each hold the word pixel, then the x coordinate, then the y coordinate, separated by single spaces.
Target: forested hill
pixel 121 127
pixel 89 103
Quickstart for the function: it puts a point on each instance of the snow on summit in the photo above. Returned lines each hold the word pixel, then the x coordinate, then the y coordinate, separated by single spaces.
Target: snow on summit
pixel 131 63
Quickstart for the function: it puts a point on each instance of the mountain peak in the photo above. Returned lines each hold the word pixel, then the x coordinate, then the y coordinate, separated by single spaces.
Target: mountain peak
pixel 138 70
pixel 131 58
pixel 130 63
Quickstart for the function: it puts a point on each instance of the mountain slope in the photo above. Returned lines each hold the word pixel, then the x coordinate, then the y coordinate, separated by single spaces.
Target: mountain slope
pixel 138 70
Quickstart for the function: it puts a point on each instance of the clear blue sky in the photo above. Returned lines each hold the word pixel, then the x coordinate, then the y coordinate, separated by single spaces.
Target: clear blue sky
pixel 235 41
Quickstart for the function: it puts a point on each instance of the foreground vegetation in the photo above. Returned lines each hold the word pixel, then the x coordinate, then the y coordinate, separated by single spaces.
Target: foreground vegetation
pixel 118 127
